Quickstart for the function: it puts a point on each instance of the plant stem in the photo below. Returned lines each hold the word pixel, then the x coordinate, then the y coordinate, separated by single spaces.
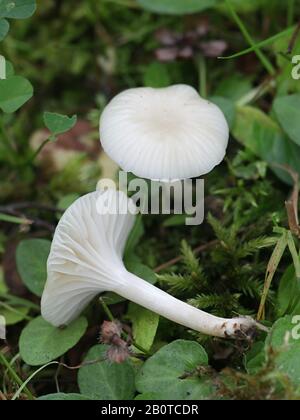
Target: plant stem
pixel 107 310
pixel 37 152
pixel 112 319
pixel 15 311
pixel 7 144
pixel 290 12
pixel 294 39
pixel 264 60
pixel 19 301
pixel 15 376
pixel 257 92
pixel 23 386
pixel 13 219
pixel 202 76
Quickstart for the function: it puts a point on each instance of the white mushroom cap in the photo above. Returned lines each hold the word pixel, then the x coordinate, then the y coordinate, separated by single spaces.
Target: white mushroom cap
pixel 164 134
pixel 86 259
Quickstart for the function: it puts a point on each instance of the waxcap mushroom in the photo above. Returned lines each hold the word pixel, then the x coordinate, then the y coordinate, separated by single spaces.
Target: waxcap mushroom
pixel 86 259
pixel 164 134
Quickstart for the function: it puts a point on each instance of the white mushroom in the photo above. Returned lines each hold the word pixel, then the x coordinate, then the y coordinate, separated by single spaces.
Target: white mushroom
pixel 86 259
pixel 164 134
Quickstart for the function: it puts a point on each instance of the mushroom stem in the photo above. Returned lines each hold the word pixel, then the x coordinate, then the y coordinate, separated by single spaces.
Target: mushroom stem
pixel 151 297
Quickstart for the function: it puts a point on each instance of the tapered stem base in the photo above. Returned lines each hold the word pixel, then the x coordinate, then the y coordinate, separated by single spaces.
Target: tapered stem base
pixel 160 302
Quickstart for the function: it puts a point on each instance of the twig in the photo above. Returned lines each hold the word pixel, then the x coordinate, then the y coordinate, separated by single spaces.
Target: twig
pixel 175 260
pixel 292 206
pixel 2 397
pixel 292 203
pixel 31 221
pixel 29 205
pixel 87 363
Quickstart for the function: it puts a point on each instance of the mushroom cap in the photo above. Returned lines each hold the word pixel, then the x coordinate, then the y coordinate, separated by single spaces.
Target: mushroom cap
pixel 86 254
pixel 164 134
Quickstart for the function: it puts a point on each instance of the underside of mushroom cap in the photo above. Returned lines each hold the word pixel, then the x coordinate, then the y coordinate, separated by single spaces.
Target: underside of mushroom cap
pixel 164 134
pixel 86 254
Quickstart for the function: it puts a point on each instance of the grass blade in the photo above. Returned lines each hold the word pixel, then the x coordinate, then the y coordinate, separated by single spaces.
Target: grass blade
pixel 264 60
pixel 265 43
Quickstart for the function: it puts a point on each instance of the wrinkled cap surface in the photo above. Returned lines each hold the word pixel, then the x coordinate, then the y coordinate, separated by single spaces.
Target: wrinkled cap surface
pixel 164 134
pixel 86 254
